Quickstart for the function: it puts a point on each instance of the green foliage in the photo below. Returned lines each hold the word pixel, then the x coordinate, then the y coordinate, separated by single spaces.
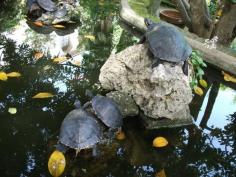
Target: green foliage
pixel 233 45
pixel 232 1
pixel 198 64
pixel 142 8
pixel 212 7
pixel 11 12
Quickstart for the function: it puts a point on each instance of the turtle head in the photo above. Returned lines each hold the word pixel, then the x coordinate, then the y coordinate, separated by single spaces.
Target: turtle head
pixel 61 147
pixel 148 22
pixel 77 104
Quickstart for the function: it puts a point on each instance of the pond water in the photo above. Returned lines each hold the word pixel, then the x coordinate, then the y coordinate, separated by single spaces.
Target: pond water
pixel 27 138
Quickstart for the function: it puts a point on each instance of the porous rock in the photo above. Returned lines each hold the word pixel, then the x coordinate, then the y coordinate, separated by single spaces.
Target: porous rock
pixel 125 102
pixel 162 91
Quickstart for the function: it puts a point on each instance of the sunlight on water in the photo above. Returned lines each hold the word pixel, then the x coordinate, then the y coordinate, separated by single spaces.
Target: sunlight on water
pixel 224 106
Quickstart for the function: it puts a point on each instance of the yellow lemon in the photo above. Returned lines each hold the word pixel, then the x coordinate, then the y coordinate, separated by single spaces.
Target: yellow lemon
pixel 159 142
pixel 56 163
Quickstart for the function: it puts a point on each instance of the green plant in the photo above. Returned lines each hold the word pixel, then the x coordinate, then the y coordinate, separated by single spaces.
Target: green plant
pixel 197 64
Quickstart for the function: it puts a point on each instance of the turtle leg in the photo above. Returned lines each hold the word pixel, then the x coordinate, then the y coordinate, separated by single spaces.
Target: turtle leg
pixel 156 62
pixel 86 105
pixel 185 68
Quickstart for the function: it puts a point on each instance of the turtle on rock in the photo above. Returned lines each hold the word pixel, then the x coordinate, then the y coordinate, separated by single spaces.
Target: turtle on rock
pixel 48 8
pixel 79 130
pixel 47 5
pixel 166 43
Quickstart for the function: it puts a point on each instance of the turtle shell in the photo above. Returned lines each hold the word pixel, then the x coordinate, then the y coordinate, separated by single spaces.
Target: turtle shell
pixel 167 43
pixel 61 12
pixel 79 130
pixel 107 111
pixel 47 5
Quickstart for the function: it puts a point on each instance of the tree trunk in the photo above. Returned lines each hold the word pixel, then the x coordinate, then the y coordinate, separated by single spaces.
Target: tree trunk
pixel 200 18
pixel 211 101
pixel 226 27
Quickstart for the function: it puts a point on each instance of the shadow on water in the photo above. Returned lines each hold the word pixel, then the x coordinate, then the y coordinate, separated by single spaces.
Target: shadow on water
pixel 28 137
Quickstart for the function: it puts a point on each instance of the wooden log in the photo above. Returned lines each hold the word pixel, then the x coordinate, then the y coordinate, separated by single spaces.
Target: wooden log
pixel 215 57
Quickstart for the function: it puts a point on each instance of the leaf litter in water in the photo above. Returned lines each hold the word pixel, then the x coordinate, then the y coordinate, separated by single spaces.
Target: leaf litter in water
pixel 160 173
pixel 12 110
pixel 59 26
pixel 228 77
pixel 59 59
pixel 38 23
pixel 13 74
pixel 56 163
pixel 90 37
pixel 38 55
pixel 43 95
pixel 120 135
pixel 3 76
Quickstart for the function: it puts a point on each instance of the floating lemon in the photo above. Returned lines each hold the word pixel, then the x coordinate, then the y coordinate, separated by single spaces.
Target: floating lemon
pixel 159 142
pixel 56 163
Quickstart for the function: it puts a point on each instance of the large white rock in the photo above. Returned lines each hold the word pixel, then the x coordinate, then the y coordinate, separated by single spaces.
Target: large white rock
pixel 162 91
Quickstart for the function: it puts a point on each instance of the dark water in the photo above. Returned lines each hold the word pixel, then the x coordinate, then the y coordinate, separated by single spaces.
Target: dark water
pixel 27 138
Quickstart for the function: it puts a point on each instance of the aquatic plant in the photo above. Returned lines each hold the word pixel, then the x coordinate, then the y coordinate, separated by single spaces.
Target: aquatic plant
pixel 197 64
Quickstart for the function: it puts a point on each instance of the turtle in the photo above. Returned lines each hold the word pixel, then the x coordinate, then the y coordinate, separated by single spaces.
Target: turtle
pixel 47 5
pixel 79 130
pixel 166 43
pixel 34 11
pixel 107 111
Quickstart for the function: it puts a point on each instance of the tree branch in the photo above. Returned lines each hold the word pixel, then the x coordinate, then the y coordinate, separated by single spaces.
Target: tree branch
pixel 184 8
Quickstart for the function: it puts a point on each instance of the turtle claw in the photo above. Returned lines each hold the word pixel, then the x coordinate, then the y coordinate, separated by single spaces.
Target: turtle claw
pixel 155 63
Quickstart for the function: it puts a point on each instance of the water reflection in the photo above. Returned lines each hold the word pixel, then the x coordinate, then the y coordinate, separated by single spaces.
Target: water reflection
pixel 28 137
